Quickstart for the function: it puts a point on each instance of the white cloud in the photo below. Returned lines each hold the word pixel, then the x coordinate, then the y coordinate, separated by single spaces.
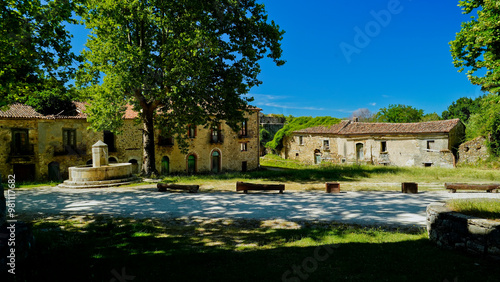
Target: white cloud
pixel 373 104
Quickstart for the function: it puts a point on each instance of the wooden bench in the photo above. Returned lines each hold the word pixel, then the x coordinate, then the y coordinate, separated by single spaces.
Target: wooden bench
pixel 243 186
pixel 453 187
pixel 162 187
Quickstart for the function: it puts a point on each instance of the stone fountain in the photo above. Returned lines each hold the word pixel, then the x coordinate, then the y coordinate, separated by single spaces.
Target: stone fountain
pixel 100 173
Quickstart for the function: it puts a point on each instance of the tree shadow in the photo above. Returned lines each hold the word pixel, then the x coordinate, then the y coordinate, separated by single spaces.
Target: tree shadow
pixel 215 251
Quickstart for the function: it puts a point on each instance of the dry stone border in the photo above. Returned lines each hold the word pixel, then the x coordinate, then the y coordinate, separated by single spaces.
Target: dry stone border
pixel 452 230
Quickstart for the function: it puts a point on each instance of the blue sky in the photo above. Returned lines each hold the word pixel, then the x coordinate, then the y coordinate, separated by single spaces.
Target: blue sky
pixel 343 55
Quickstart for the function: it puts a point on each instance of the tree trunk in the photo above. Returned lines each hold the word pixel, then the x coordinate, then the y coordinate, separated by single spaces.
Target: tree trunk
pixel 148 146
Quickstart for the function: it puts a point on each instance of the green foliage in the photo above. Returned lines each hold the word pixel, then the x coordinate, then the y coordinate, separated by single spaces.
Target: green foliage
pixel 399 114
pixel 431 117
pixel 264 136
pixel 296 124
pixel 462 108
pixel 177 62
pixel 35 48
pixel 486 122
pixel 52 102
pixel 477 45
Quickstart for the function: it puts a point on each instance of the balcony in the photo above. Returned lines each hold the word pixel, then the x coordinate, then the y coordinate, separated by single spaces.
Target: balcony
pixel 21 151
pixel 166 141
pixel 71 151
pixel 216 139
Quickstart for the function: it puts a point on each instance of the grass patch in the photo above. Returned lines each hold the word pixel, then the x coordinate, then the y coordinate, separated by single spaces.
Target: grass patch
pixel 484 208
pixel 89 248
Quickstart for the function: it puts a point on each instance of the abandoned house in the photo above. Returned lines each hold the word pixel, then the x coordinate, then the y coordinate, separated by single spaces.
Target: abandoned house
pixel 432 143
pixel 35 146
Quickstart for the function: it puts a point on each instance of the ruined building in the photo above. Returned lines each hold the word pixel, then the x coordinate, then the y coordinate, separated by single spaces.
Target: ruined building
pixel 432 143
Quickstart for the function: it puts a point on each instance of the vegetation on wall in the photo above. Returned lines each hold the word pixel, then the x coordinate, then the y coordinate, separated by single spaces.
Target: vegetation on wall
pixel 294 124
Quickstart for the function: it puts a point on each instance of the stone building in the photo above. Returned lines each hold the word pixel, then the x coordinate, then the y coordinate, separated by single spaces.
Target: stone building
pixel 431 143
pixel 35 146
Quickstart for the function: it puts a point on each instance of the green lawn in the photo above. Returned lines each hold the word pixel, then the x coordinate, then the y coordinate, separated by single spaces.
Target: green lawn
pixel 90 248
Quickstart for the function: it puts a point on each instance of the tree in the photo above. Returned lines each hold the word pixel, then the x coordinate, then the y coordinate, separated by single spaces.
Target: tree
pixel 363 115
pixel 399 113
pixel 35 48
pixel 462 108
pixel 486 122
pixel 477 45
pixel 177 62
pixel 431 117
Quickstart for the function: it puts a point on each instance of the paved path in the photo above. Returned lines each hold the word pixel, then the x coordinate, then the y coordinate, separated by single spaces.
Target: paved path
pixel 372 208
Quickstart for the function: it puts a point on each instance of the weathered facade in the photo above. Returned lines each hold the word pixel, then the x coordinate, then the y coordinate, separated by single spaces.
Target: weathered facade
pixel 473 151
pixel 35 146
pixel 400 144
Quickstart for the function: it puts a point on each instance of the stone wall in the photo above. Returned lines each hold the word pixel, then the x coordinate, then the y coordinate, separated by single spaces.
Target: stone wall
pixel 453 230
pixel 473 151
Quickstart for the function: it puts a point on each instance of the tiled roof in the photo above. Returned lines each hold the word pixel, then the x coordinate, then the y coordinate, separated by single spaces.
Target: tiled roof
pixel 332 129
pixel 364 128
pixel 20 111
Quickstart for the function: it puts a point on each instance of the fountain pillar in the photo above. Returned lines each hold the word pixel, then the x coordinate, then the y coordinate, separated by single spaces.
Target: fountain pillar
pixel 99 154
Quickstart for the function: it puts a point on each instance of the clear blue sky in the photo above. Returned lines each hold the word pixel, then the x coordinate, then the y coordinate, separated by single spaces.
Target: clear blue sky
pixel 332 70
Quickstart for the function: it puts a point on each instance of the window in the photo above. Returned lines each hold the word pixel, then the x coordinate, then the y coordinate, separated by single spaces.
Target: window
pixel 383 146
pixel 165 139
pixel 326 144
pixel 244 147
pixel 301 140
pixel 69 140
pixel 192 131
pixel 243 131
pixel 430 144
pixel 109 139
pixel 216 136
pixel 20 142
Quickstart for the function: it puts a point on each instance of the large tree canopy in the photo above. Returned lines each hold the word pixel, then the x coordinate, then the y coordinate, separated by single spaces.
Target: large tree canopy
pixel 177 62
pixel 462 108
pixel 35 48
pixel 399 113
pixel 477 45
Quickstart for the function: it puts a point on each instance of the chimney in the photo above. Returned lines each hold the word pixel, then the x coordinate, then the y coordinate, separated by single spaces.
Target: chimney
pixel 355 119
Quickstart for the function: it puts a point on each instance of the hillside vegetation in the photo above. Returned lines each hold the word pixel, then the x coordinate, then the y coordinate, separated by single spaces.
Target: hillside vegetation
pixel 298 123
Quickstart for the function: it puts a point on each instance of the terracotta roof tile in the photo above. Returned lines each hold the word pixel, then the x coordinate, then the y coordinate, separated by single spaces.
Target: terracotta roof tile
pixel 361 128
pixel 20 111
pixel 442 126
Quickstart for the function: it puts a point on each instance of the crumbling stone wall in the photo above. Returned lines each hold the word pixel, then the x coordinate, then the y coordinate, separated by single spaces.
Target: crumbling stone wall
pixel 473 151
pixel 453 230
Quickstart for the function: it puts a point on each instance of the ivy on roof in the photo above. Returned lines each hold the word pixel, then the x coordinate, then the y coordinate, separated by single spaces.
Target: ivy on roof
pixel 298 123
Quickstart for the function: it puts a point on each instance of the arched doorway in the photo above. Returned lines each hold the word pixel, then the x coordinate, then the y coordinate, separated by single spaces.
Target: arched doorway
pixel 359 152
pixel 54 172
pixel 165 165
pixel 191 164
pixel 112 160
pixel 215 161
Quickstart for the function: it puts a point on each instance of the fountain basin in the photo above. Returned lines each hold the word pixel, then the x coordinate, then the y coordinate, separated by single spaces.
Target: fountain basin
pixel 96 177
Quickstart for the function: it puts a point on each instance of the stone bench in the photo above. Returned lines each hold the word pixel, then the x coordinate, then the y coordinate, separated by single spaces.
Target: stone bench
pixel 453 187
pixel 243 186
pixel 162 187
